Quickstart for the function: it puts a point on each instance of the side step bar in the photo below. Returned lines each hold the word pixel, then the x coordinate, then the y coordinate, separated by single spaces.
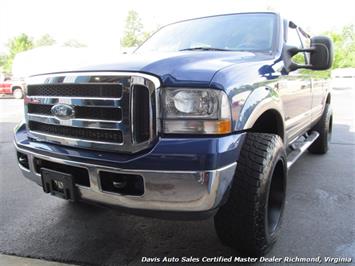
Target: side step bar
pixel 297 152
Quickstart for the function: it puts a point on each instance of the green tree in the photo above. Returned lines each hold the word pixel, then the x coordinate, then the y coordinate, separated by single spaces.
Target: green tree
pixel 344 47
pixel 16 45
pixel 74 43
pixel 2 60
pixel 133 34
pixel 44 40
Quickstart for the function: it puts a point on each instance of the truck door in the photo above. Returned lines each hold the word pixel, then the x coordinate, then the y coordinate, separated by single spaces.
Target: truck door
pixel 296 92
pixel 319 85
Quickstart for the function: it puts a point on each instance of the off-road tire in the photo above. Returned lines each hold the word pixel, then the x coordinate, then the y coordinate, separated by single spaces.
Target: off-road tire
pixel 243 221
pixel 324 128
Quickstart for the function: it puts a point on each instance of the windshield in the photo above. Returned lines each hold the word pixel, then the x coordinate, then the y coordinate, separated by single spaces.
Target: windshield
pixel 237 32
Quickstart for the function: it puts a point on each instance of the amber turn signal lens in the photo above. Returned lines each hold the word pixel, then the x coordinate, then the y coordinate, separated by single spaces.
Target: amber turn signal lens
pixel 224 126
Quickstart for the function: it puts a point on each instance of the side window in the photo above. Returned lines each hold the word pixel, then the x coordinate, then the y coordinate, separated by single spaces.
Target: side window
pixel 294 39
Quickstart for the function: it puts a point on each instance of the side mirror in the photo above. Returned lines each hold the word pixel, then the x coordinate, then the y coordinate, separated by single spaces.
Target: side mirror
pixel 321 55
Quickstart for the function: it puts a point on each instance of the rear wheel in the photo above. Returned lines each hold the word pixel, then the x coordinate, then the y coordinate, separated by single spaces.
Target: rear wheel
pixel 251 218
pixel 324 128
pixel 18 93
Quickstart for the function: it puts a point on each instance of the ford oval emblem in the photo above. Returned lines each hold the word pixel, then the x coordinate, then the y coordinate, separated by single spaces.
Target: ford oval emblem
pixel 63 111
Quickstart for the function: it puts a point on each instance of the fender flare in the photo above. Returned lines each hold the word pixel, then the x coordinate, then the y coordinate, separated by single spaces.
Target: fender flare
pixel 258 102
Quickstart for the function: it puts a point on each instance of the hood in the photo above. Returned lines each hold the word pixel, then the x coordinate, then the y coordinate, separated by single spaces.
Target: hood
pixel 188 68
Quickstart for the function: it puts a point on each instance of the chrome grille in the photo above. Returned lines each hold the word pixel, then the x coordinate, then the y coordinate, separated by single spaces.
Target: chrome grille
pixel 112 111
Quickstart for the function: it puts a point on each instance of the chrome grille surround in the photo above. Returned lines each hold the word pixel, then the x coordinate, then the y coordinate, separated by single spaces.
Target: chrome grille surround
pixel 128 81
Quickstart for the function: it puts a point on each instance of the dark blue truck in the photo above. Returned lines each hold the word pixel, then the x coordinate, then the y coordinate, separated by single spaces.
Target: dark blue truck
pixel 205 118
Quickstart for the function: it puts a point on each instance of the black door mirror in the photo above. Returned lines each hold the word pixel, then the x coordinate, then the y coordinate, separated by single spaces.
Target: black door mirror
pixel 321 55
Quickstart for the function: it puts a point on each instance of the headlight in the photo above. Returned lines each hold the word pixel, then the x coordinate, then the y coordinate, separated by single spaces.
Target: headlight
pixel 195 111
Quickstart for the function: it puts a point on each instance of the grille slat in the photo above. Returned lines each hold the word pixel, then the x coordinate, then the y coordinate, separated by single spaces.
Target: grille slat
pixel 76 90
pixel 82 112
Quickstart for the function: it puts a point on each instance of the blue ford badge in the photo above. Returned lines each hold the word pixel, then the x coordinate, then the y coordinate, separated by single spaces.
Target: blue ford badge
pixel 63 111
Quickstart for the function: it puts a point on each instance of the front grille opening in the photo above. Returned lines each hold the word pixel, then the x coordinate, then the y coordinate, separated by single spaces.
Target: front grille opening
pixel 76 90
pixel 80 175
pixel 40 109
pixel 104 113
pixel 123 184
pixel 83 112
pixel 23 160
pixel 101 135
pixel 141 121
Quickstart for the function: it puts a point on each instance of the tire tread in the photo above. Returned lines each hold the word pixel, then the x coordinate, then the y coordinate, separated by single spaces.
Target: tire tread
pixel 240 222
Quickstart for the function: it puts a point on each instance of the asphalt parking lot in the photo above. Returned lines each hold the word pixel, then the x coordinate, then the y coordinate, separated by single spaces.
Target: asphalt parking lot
pixel 319 217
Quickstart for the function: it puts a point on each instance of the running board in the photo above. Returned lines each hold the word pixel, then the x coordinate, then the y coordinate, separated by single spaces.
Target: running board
pixel 297 152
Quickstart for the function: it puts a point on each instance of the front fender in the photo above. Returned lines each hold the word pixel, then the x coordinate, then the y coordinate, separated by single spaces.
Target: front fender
pixel 259 101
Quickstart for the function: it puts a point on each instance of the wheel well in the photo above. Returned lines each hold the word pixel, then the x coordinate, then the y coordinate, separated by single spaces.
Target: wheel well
pixel 269 122
pixel 16 87
pixel 327 101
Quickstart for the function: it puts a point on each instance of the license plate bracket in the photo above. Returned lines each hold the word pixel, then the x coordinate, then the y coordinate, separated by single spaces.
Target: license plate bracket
pixel 58 184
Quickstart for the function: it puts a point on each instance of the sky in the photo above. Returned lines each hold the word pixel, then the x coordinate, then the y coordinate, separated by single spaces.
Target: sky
pixel 100 23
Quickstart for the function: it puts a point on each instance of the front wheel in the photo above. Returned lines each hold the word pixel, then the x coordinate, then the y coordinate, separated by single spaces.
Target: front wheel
pixel 250 220
pixel 18 93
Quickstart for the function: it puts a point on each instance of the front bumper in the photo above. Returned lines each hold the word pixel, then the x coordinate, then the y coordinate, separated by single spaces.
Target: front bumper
pixel 164 189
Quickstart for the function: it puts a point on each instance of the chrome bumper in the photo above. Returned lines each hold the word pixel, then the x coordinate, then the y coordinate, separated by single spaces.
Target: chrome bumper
pixel 185 191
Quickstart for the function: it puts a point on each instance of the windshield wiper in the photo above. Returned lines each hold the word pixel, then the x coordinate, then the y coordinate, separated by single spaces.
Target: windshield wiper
pixel 204 49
